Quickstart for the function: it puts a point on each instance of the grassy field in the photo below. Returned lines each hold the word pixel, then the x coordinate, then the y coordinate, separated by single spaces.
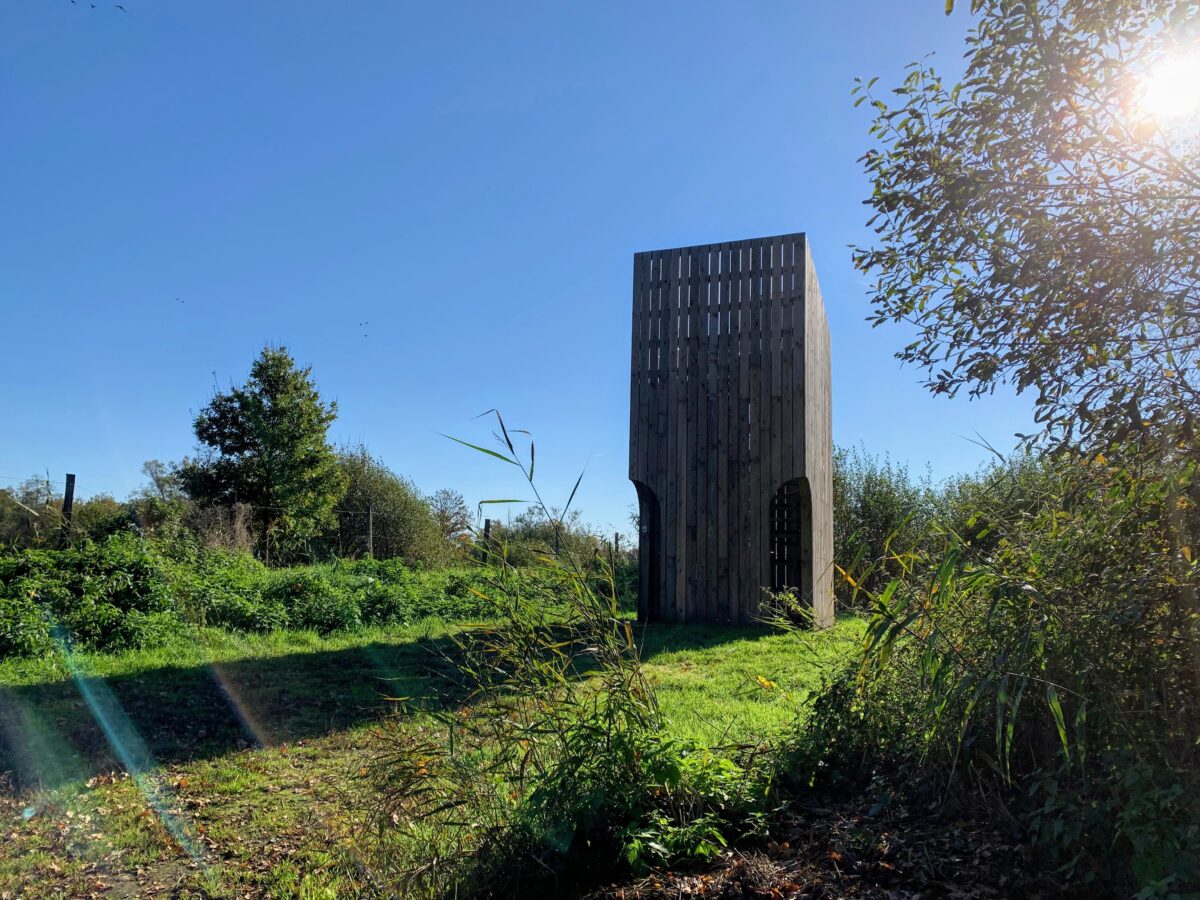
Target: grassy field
pixel 235 767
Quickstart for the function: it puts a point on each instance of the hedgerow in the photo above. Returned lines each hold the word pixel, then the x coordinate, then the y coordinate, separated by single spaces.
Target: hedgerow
pixel 127 591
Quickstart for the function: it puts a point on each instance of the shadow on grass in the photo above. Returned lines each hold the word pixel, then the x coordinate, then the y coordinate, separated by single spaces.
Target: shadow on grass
pixel 670 637
pixel 56 732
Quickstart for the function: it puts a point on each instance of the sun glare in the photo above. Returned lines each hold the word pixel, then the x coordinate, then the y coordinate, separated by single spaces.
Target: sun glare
pixel 1172 89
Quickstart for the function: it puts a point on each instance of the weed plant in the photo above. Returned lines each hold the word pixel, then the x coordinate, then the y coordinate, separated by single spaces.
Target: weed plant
pixel 1040 656
pixel 556 769
pixel 127 592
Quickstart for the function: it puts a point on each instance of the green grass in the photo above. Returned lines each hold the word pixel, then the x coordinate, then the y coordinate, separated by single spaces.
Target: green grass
pixel 248 752
pixel 707 678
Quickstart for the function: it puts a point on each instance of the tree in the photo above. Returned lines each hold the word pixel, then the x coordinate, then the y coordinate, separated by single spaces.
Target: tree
pixel 402 524
pixel 160 506
pixel 264 444
pixel 1039 227
pixel 30 513
pixel 163 483
pixel 880 513
pixel 451 513
pixel 535 532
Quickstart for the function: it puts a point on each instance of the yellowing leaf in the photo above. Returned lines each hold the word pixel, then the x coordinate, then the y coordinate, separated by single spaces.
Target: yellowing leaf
pixel 766 683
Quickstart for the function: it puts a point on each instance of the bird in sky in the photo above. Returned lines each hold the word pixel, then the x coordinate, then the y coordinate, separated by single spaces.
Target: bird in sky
pixel 119 6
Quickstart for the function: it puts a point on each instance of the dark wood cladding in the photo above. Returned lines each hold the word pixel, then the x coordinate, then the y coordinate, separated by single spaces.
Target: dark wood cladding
pixel 730 443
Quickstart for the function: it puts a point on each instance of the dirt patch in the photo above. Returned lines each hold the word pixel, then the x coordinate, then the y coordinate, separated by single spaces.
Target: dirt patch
pixel 852 848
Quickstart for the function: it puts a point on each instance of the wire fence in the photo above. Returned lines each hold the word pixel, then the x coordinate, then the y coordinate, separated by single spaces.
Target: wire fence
pixel 37 510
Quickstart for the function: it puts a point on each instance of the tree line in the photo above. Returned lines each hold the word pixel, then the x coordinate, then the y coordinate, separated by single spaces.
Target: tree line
pixel 264 478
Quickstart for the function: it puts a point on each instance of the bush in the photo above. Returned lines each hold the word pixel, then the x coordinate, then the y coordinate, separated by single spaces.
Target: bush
pixel 228 590
pixel 557 767
pixel 879 513
pixel 402 524
pixel 312 600
pixel 1044 652
pixel 128 591
pixel 558 764
pixel 112 595
pixel 24 627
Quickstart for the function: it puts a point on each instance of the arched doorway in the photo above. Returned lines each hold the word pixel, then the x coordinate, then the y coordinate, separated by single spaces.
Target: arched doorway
pixel 791 538
pixel 649 602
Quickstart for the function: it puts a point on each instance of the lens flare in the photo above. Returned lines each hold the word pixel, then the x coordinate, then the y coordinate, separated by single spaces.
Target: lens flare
pixel 129 748
pixel 1171 90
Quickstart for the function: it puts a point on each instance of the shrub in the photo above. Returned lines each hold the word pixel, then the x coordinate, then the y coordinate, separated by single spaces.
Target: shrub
pixel 24 627
pixel 558 759
pixel 100 516
pixel 879 512
pixel 403 525
pixel 1045 654
pixel 312 600
pixel 127 591
pixel 388 603
pixel 111 595
pixel 227 590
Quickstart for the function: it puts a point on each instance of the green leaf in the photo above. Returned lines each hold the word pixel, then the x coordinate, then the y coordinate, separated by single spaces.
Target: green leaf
pixel 500 456
pixel 1060 721
pixel 573 490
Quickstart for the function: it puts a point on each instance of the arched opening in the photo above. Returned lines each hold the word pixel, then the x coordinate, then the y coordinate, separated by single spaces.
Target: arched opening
pixel 648 554
pixel 791 538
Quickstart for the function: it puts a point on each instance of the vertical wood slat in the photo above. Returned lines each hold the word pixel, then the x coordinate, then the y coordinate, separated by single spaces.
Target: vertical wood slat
pixel 778 382
pixel 679 413
pixel 818 457
pixel 714 522
pixel 637 433
pixel 660 422
pixel 704 408
pixel 697 429
pixel 694 435
pixel 732 433
pixel 754 444
pixel 637 430
pixel 681 437
pixel 662 465
pixel 796 367
pixel 722 402
pixel 650 392
pixel 712 351
pixel 763 492
pixel 671 467
pixel 737 439
pixel 740 396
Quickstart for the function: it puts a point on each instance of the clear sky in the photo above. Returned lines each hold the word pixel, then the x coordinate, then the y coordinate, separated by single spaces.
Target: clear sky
pixel 183 181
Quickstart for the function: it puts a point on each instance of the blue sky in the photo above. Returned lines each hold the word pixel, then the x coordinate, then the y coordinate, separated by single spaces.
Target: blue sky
pixel 472 180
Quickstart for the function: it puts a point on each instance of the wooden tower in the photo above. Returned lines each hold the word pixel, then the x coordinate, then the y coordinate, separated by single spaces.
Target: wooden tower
pixel 730 444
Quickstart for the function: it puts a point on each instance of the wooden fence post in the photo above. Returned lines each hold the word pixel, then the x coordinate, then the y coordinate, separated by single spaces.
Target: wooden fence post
pixel 68 505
